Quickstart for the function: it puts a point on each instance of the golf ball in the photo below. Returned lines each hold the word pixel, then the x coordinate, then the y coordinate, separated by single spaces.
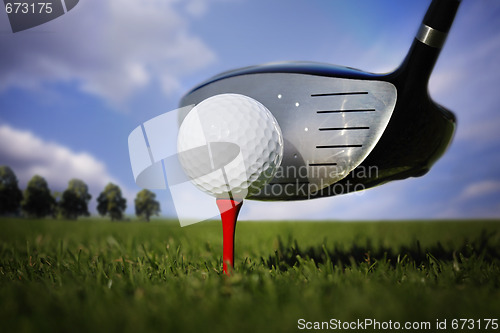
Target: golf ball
pixel 253 139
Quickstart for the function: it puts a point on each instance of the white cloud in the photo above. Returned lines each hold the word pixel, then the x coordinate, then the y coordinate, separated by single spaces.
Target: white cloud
pixel 29 155
pixel 483 132
pixel 196 8
pixel 445 81
pixel 109 48
pixel 476 200
pixel 481 188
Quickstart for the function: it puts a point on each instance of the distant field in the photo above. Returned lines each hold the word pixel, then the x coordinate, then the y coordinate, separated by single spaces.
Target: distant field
pixel 96 276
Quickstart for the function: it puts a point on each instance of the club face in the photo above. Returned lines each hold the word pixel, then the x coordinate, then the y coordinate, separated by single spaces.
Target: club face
pixel 329 123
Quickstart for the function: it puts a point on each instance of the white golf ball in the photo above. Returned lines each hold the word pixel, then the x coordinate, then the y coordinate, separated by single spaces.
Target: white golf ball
pixel 249 131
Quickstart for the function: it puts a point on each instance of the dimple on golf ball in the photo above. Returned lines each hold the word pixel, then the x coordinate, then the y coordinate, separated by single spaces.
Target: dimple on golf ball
pixel 241 122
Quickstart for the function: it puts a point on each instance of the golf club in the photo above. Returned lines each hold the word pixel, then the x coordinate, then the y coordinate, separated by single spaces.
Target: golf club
pixel 346 130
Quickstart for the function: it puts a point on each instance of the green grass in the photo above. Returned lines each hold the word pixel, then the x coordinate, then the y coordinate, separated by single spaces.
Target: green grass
pixel 97 276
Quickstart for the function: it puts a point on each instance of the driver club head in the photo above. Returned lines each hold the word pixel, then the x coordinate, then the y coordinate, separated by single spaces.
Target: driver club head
pixel 344 129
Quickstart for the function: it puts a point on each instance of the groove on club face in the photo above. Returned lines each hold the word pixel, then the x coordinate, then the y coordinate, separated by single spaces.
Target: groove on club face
pixel 343 111
pixel 339 146
pixel 322 164
pixel 343 128
pixel 341 94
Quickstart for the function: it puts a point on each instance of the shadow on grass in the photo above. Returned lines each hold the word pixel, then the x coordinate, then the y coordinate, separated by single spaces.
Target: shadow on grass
pixel 288 255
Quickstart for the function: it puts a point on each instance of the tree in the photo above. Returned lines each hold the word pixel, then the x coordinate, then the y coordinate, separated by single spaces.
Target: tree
pixel 75 199
pixel 110 202
pixel 38 202
pixel 146 205
pixel 10 194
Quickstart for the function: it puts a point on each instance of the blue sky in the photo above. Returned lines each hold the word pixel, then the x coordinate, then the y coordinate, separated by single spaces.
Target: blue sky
pixel 73 89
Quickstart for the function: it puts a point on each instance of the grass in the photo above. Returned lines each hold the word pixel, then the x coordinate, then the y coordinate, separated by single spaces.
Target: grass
pixel 97 276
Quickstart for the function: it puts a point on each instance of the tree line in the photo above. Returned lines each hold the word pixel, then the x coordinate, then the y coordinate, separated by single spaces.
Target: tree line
pixel 37 201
